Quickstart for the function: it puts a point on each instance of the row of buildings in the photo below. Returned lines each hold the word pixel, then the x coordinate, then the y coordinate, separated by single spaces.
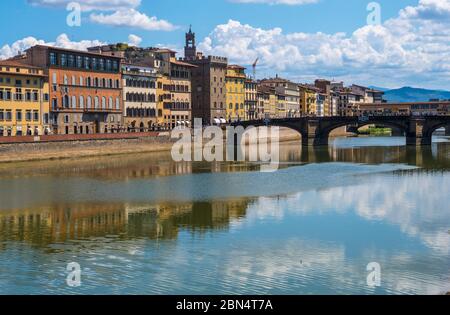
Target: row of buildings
pixel 120 88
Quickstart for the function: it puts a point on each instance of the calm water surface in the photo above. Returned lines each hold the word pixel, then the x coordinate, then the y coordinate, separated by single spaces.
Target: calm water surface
pixel 142 224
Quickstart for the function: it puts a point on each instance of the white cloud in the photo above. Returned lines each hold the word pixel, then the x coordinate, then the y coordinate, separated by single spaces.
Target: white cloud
pixel 134 40
pixel 411 49
pixel 276 2
pixel 119 13
pixel 90 5
pixel 62 41
pixel 132 18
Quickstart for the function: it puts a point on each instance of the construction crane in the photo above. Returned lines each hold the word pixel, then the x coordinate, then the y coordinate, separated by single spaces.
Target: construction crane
pixel 254 68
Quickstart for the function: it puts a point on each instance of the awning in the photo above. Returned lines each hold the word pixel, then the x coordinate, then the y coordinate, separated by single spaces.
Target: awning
pixel 187 123
pixel 217 121
pixel 19 128
pixel 223 121
pixel 178 122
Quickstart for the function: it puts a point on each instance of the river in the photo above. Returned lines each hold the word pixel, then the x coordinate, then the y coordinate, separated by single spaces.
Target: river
pixel 142 224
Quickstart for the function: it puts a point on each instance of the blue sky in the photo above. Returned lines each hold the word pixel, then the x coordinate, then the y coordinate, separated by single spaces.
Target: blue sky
pixel 218 23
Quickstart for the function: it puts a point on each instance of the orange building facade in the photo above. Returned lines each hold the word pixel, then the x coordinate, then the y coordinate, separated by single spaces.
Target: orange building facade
pixel 85 89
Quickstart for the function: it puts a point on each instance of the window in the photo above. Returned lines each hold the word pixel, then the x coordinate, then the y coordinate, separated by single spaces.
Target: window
pixel 79 62
pixel 2 115
pixel 117 104
pixel 18 115
pixel 66 80
pixel 74 81
pixel 35 115
pixel 102 64
pixel 108 65
pixel 18 96
pixel 66 101
pixel 87 64
pixel 8 115
pixel 28 96
pixel 110 104
pixel 53 59
pixel 64 60
pixel 96 102
pixel 74 102
pixel 103 102
pixel 71 61
pixel 81 81
pixel 35 96
pixel 28 115
pixel 66 119
pixel 81 102
pixel 94 64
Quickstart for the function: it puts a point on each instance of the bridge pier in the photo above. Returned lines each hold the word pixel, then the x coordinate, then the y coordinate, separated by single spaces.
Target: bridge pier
pixel 417 133
pixel 314 141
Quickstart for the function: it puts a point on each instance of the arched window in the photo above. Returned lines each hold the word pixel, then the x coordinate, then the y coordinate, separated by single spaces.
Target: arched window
pixel 81 81
pixel 127 97
pixel 66 101
pixel 103 102
pixel 96 102
pixel 103 82
pixel 81 101
pixel 89 102
pixel 110 103
pixel 117 103
pixel 74 101
pixel 110 83
pixel 96 82
pixel 74 80
pixel 66 80
pixel 117 84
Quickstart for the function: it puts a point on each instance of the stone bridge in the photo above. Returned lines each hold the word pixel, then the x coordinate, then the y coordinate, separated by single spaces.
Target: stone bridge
pixel 316 131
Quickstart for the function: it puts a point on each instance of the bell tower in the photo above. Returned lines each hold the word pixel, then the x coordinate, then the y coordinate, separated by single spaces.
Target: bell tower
pixel 190 50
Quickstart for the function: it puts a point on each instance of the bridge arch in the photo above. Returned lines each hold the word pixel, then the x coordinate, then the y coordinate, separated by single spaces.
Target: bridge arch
pixel 432 129
pixel 326 131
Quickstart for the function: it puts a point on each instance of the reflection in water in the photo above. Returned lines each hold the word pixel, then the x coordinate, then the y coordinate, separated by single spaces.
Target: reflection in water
pixel 348 150
pixel 310 228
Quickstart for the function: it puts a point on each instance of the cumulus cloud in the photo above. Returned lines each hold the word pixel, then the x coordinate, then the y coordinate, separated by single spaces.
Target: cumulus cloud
pixel 90 5
pixel 113 12
pixel 132 18
pixel 134 40
pixel 275 2
pixel 410 49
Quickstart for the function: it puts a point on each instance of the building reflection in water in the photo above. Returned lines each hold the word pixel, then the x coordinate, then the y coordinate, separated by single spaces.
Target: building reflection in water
pixel 63 223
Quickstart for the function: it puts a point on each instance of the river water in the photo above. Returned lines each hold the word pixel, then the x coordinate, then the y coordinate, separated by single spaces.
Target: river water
pixel 142 224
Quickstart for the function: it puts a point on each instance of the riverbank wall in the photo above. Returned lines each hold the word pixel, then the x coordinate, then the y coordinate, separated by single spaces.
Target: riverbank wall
pixel 24 149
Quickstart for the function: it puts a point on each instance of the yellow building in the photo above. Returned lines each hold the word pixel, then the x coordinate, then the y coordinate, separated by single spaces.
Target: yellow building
pixel 308 100
pixel 24 100
pixel 235 85
pixel 280 105
pixel 162 96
